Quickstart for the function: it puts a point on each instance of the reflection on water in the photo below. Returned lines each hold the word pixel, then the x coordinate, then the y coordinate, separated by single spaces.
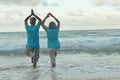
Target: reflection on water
pixel 34 74
pixel 41 74
pixel 53 74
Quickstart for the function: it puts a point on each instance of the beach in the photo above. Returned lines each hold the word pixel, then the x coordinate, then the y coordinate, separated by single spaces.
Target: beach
pixel 69 67
pixel 84 55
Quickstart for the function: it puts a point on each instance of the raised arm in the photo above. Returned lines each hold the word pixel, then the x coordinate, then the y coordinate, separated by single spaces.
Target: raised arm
pixel 43 23
pixel 58 22
pixel 26 19
pixel 32 12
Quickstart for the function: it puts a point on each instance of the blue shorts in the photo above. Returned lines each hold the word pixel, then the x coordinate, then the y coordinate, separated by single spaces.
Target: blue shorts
pixel 33 53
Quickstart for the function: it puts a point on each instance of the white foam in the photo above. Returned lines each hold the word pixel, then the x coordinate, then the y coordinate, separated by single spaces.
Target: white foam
pixel 69 67
pixel 67 39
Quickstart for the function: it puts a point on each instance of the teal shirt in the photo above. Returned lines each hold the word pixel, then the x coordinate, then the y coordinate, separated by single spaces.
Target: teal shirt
pixel 32 35
pixel 52 37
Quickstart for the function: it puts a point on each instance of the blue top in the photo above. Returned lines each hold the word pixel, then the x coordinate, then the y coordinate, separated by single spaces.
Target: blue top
pixel 32 35
pixel 52 37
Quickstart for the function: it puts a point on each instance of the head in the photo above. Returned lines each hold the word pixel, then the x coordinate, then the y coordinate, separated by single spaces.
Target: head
pixel 32 21
pixel 52 25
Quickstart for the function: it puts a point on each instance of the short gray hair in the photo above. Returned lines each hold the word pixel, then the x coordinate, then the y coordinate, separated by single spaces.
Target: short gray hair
pixel 52 25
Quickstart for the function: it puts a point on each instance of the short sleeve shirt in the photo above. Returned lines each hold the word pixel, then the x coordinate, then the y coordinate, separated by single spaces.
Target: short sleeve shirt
pixel 32 35
pixel 52 36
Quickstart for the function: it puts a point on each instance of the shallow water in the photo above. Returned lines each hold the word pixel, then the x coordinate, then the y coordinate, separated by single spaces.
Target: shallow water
pixel 69 67
pixel 84 55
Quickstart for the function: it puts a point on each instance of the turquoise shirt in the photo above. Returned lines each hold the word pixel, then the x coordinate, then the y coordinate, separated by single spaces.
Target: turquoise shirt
pixel 32 35
pixel 52 37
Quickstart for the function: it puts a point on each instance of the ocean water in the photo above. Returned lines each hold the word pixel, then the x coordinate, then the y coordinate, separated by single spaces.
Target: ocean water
pixel 84 55
pixel 86 41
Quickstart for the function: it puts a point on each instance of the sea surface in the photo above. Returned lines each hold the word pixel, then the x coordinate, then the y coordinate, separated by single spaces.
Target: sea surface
pixel 84 55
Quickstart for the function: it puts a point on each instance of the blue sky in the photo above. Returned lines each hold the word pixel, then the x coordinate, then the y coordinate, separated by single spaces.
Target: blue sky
pixel 73 14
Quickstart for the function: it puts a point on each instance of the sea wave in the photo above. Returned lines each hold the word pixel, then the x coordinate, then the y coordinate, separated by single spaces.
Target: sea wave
pixel 89 50
pixel 90 41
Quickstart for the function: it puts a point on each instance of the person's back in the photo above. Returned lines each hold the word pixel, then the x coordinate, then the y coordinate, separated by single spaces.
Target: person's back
pixel 52 37
pixel 32 30
pixel 32 36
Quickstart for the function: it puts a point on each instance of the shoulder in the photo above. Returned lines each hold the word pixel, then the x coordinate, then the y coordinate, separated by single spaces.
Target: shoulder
pixel 46 28
pixel 38 24
pixel 57 28
pixel 26 25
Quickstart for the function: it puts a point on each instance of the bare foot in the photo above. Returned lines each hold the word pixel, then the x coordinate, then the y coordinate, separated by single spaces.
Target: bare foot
pixel 34 65
pixel 53 65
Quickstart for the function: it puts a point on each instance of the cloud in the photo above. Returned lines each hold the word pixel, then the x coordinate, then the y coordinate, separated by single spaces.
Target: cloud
pixel 13 12
pixel 98 2
pixel 20 2
pixel 11 17
pixel 104 20
pixel 116 2
pixel 76 13
pixel 27 2
pixel 117 8
pixel 106 2
pixel 12 20
pixel 54 4
pixel 97 20
pixel 46 3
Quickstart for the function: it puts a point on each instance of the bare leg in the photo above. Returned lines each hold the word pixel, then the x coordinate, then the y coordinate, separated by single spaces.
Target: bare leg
pixel 53 55
pixel 54 64
pixel 32 59
pixel 33 62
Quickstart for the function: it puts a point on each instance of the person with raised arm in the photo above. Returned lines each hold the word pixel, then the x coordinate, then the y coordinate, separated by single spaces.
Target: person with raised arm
pixel 32 30
pixel 52 32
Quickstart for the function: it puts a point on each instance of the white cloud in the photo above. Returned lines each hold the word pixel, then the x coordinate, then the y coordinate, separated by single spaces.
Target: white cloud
pixel 46 3
pixel 76 13
pixel 98 20
pixel 115 2
pixel 117 8
pixel 20 2
pixel 11 18
pixel 27 2
pixel 98 2
pixel 106 2
pixel 54 4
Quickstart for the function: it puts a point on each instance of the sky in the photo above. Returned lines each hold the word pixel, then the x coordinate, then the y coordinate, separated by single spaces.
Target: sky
pixel 72 14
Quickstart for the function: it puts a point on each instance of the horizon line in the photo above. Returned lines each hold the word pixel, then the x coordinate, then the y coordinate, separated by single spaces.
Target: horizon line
pixel 64 30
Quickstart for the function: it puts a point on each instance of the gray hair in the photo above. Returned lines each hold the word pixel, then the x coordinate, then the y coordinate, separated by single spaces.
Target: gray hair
pixel 52 25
